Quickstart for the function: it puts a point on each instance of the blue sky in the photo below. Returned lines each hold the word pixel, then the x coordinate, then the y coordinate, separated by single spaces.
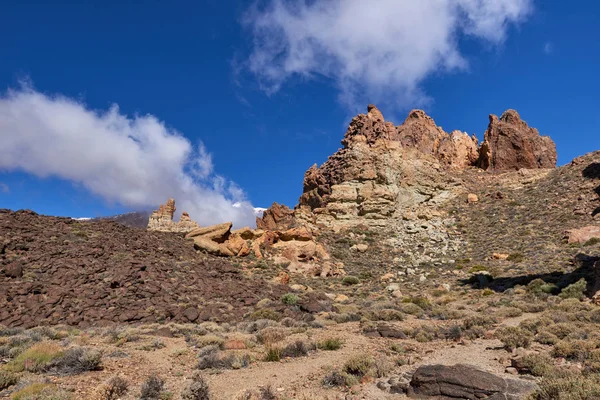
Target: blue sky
pixel 265 90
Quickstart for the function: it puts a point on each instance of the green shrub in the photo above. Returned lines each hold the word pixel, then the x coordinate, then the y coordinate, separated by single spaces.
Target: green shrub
pixel 567 385
pixel 359 365
pixel 265 313
pixel 114 389
pixel 514 337
pixel 575 290
pixel 477 268
pixel 592 241
pixel 337 378
pixel 330 344
pixel 422 302
pixel 290 299
pixel 579 350
pixel 538 364
pixel 197 390
pixel 350 280
pixel 273 354
pixel 7 379
pixel 37 358
pixel 152 388
pixel 516 257
pixel 412 309
pixel 41 391
pixel 77 360
pixel 297 349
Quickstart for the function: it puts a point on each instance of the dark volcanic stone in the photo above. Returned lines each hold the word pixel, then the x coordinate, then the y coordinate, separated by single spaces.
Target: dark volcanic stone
pixel 465 382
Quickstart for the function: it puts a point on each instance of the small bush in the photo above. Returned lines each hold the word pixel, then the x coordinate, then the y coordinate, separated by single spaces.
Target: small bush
pixel 37 358
pixel 516 257
pixel 209 340
pixel 350 280
pixel 41 391
pixel 484 321
pixel 265 313
pixel 330 344
pixel 386 315
pixel 290 299
pixel 197 390
pixel 337 378
pixel 77 360
pixel 510 312
pixel 477 268
pixel 271 335
pixel 7 379
pixel 540 288
pixel 454 333
pixel 545 337
pixel 538 364
pixel 412 309
pixel 592 241
pixel 514 337
pixel 422 302
pixel 575 290
pixel 273 354
pixel 297 349
pixel 152 388
pixel 569 386
pixel 578 350
pixel 115 388
pixel 211 358
pixel 359 366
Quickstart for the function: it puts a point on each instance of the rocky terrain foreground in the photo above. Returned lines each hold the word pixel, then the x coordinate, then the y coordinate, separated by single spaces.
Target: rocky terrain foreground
pixel 416 264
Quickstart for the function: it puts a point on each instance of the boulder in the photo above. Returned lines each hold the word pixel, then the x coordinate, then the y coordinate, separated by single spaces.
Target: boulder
pixel 210 247
pixel 472 198
pixel 465 382
pixel 217 233
pixel 301 234
pixel 276 217
pixel 510 144
pixel 582 235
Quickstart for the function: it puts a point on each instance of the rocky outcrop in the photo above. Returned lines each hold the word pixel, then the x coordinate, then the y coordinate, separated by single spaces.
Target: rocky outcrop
pixel 510 144
pixel 465 382
pixel 161 220
pixel 382 171
pixel 294 247
pixel 276 217
pixel 582 235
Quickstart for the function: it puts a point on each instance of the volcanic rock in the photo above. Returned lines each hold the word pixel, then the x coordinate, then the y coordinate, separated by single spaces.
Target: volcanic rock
pixel 510 144
pixel 276 217
pixel 161 220
pixel 101 272
pixel 465 382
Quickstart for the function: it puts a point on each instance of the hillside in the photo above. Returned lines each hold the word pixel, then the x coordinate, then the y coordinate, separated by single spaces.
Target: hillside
pixel 410 253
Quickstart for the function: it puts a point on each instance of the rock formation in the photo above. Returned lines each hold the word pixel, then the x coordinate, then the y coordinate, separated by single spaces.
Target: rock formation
pixel 294 247
pixel 276 217
pixel 510 144
pixel 162 220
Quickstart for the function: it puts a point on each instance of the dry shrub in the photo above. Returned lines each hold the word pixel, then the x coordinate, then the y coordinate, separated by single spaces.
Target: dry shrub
pixel 514 337
pixel 269 336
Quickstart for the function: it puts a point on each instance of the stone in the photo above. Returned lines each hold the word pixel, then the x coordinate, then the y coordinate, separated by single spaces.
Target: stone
pixel 191 314
pixel 301 234
pixel 361 248
pixel 472 198
pixel 397 294
pixel 582 235
pixel 465 382
pixel 390 331
pixel 276 217
pixel 500 256
pixel 162 220
pixel 210 247
pixel 510 144
pixel 342 298
pixel 393 287
pixel 14 270
pixel 217 233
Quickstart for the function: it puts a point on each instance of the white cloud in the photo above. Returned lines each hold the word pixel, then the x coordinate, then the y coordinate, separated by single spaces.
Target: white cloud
pixel 374 51
pixel 137 162
pixel 4 188
pixel 548 47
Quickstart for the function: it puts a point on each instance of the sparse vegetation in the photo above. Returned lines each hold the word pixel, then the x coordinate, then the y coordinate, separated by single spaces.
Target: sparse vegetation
pixel 290 299
pixel 153 388
pixel 350 280
pixel 514 337
pixel 7 379
pixel 197 389
pixel 330 344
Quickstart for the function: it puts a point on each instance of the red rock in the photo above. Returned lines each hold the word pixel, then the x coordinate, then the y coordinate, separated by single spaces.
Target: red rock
pixel 510 144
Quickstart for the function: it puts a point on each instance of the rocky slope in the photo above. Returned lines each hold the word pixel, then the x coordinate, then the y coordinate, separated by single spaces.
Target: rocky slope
pixel 57 270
